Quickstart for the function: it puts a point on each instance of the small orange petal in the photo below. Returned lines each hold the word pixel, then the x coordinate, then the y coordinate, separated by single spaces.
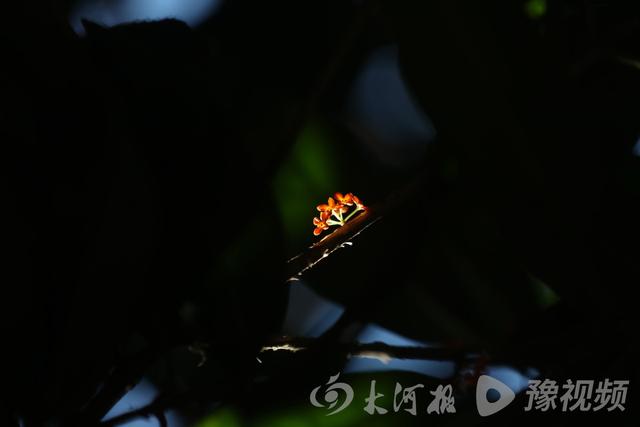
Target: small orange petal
pixel 344 199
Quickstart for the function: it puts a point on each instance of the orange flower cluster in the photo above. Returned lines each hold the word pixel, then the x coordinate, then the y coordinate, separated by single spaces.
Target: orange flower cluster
pixel 332 213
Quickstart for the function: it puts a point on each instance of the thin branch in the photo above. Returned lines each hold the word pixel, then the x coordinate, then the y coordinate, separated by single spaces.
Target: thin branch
pixel 340 238
pixel 376 350
pixel 162 419
pixel 300 345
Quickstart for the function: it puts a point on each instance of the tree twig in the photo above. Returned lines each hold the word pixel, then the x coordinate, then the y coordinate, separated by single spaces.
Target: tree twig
pixel 294 345
pixel 340 238
pixel 376 350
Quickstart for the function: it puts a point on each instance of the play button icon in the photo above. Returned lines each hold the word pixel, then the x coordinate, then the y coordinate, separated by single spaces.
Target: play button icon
pixel 486 384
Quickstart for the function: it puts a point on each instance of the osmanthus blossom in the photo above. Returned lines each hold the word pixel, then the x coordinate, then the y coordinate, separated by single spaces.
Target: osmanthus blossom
pixel 344 200
pixel 321 223
pixel 332 206
pixel 332 213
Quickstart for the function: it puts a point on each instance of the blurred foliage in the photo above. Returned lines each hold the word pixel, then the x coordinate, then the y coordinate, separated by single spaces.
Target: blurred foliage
pixel 305 179
pixel 545 295
pixel 536 8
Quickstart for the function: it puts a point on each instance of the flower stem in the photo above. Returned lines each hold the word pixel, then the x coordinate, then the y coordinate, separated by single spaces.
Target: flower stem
pixel 352 214
pixel 338 215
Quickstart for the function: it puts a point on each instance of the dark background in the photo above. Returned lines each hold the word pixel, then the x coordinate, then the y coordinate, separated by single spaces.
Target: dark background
pixel 159 174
